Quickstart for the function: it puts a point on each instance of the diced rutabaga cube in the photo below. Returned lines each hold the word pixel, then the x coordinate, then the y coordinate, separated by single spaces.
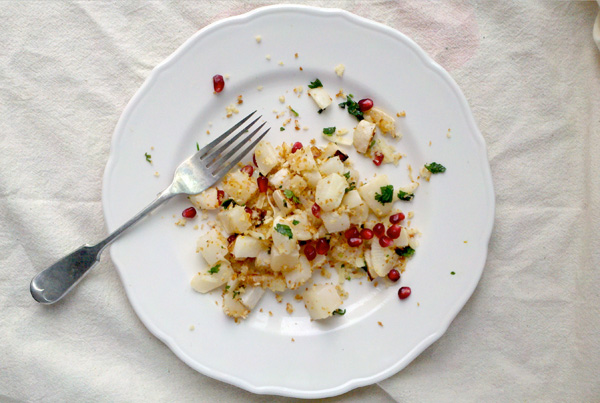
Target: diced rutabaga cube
pixel 369 263
pixel 329 150
pixel 383 259
pixel 344 141
pixel 247 246
pixel 263 260
pixel 212 246
pixel 352 199
pixel 284 262
pixel 425 173
pixel 302 228
pixel 384 121
pixel 321 300
pixel 266 156
pixel 235 220
pixel 302 160
pixel 296 278
pixel 233 306
pixel 283 243
pixel 320 96
pixel 251 296
pixel 206 200
pixel 205 281
pixel 390 156
pixel 283 204
pixel 410 188
pixel 331 166
pixel 239 186
pixel 413 243
pixel 370 189
pixel 330 192
pixel 297 184
pixel 335 222
pixel 359 214
pixel 312 177
pixel 280 178
pixel 402 240
pixel 363 134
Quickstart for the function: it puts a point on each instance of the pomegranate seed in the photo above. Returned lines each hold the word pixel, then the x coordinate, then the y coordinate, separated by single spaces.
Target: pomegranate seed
pixel 379 230
pixel 220 196
pixel 254 160
pixel 404 292
pixel 218 83
pixel 189 212
pixel 297 145
pixel 394 275
pixel 366 233
pixel 378 159
pixel 316 210
pixel 310 252
pixel 396 218
pixel 340 155
pixel 249 169
pixel 231 238
pixel 354 242
pixel 365 104
pixel 263 184
pixel 351 233
pixel 248 210
pixel 322 246
pixel 394 231
pixel 385 241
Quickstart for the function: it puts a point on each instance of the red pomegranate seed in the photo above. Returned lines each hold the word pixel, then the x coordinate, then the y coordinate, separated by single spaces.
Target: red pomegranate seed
pixel 404 292
pixel 248 210
pixel 379 230
pixel 351 233
pixel 218 83
pixel 394 275
pixel 310 252
pixel 366 233
pixel 396 218
pixel 385 241
pixel 254 160
pixel 249 169
pixel 220 196
pixel 189 212
pixel 322 246
pixel 340 155
pixel 263 184
pixel 394 231
pixel 231 238
pixel 316 210
pixel 354 242
pixel 297 145
pixel 365 104
pixel 378 159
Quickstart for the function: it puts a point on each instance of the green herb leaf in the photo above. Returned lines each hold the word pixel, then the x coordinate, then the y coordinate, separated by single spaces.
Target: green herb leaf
pixel 293 111
pixel 372 143
pixel 215 268
pixel 452 273
pixel 353 107
pixel 227 287
pixel 227 203
pixel 402 195
pixel 407 251
pixel 350 188
pixel 315 84
pixel 435 168
pixel 197 146
pixel 295 222
pixel 320 111
pixel 284 230
pixel 290 195
pixel 281 128
pixel 339 312
pixel 329 131
pixel 236 293
pixel 386 195
pixel 348 278
pixel 347 175
pixel 148 157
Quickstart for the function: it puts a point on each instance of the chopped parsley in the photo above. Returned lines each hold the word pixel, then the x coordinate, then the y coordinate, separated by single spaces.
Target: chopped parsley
pixel 281 128
pixel 228 203
pixel 372 143
pixel 386 195
pixel 148 157
pixel 329 130
pixel 293 111
pixel 452 273
pixel 350 188
pixel 290 195
pixel 339 312
pixel 402 195
pixel 353 107
pixel 197 146
pixel 407 251
pixel 320 111
pixel 295 222
pixel 435 168
pixel 236 293
pixel 315 84
pixel 348 278
pixel 215 269
pixel 227 287
pixel 347 175
pixel 284 230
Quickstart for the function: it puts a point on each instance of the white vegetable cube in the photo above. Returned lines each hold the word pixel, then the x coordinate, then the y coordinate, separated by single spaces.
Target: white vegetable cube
pixel 409 189
pixel 283 204
pixel 329 150
pixel 239 186
pixel 303 272
pixel 331 166
pixel 300 225
pixel 263 260
pixel 312 177
pixel 359 214
pixel 345 141
pixel 402 240
pixel 266 157
pixel 283 237
pixel 206 200
pixel 321 300
pixel 302 160
pixel 384 121
pixel 218 275
pixel 235 220
pixel 369 193
pixel 284 261
pixel 389 153
pixel 363 134
pixel 280 178
pixel 352 199
pixel 247 246
pixel 212 246
pixel 320 96
pixel 335 222
pixel 251 296
pixel 383 259
pixel 233 306
pixel 330 191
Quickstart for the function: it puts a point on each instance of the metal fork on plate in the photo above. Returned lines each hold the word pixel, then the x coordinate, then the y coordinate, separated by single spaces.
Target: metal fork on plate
pixel 194 175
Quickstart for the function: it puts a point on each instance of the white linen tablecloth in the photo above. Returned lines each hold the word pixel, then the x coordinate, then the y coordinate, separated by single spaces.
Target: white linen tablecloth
pixel 531 73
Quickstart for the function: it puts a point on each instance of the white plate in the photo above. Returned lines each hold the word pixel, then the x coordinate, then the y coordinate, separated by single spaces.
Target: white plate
pixel 157 259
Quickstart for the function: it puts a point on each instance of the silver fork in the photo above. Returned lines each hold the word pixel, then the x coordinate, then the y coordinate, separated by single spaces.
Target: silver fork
pixel 192 176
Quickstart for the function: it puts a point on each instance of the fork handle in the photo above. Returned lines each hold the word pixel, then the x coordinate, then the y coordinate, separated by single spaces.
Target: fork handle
pixel 52 284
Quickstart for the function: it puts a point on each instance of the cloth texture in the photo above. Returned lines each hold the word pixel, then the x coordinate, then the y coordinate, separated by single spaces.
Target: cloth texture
pixel 530 71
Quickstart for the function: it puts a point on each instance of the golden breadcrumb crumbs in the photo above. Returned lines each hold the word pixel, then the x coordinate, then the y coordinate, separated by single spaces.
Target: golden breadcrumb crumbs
pixel 339 70
pixel 240 100
pixel 375 284
pixel 226 76
pixel 258 38
pixel 301 68
pixel 270 313
pixel 296 125
pixel 196 226
pixel 298 297
pixel 152 148
pixel 296 55
pixel 325 273
pixel 293 340
pixel 448 134
pixel 281 99
pixel 260 310
pixel 278 297
pixel 380 324
pixel 305 128
pixel 418 304
pixel 231 109
pixel 268 57
pixel 401 114
pixel 410 214
pixel 260 88
pixel 181 222
pixel 280 63
pixel 207 131
pixel 429 143
pixel 340 94
pixel 192 328
pixel 289 308
pixel 298 90
pixel 156 174
pixel 465 241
